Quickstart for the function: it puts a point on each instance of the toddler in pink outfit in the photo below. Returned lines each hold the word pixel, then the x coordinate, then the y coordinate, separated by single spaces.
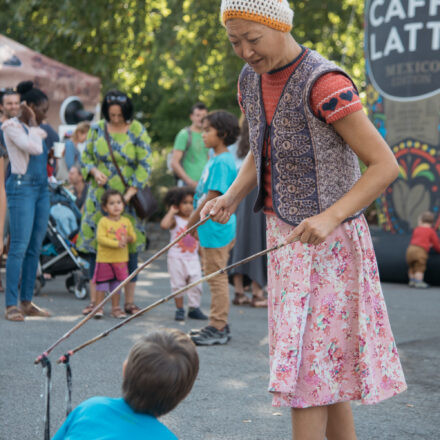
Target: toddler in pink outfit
pixel 183 258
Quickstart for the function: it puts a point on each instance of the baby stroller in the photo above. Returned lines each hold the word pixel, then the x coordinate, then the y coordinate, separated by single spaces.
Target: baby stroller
pixel 59 255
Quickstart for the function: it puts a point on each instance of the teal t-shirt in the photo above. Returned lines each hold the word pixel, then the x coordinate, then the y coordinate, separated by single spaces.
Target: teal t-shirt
pixel 105 418
pixel 218 175
pixel 196 156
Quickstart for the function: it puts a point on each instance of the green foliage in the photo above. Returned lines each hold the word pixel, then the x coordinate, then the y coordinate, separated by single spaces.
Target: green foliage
pixel 160 179
pixel 170 53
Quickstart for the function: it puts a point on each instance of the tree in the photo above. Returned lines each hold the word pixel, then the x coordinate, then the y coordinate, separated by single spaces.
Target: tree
pixel 168 54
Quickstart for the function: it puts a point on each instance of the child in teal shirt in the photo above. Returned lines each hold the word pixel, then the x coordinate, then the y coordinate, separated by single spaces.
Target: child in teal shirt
pixel 158 374
pixel 220 129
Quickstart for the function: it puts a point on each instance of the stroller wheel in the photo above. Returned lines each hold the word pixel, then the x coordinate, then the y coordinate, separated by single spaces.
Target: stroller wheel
pixel 70 283
pixel 81 289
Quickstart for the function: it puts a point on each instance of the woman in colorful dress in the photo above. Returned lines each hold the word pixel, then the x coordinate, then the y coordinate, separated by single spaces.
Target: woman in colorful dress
pixel 131 149
pixel 330 341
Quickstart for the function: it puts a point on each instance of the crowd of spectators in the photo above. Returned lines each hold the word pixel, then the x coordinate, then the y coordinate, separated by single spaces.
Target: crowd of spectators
pixel 88 167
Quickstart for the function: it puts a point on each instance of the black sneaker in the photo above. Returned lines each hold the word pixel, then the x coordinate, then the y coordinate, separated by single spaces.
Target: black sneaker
pixel 196 331
pixel 211 336
pixel 180 315
pixel 196 313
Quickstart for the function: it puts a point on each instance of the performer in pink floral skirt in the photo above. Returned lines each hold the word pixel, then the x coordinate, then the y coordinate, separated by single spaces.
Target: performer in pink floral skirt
pixel 330 340
pixel 329 334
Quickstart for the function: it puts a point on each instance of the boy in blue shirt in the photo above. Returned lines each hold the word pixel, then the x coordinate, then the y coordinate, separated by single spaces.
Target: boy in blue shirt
pixel 157 375
pixel 220 129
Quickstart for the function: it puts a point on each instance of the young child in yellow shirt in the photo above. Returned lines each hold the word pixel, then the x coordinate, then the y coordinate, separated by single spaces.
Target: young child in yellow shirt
pixel 113 235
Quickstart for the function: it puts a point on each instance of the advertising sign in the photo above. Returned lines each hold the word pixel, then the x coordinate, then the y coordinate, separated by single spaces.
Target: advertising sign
pixel 402 49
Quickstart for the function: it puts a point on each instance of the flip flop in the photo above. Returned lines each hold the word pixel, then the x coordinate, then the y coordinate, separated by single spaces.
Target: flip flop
pixel 99 314
pixel 259 302
pixel 14 314
pixel 118 313
pixel 131 308
pixel 88 308
pixel 30 309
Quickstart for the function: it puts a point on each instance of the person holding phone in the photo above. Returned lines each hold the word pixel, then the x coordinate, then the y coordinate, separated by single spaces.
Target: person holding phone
pixel 28 200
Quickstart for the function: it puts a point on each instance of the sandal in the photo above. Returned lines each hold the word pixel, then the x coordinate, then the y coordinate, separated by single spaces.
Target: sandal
pixel 259 301
pixel 99 314
pixel 88 309
pixel 241 299
pixel 131 308
pixel 118 313
pixel 30 309
pixel 13 313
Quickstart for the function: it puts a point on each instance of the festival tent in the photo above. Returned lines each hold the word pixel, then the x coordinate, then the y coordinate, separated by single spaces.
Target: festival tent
pixel 58 81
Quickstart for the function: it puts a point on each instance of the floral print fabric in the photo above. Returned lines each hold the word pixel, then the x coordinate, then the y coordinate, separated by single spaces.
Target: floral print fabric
pixel 329 336
pixel 132 153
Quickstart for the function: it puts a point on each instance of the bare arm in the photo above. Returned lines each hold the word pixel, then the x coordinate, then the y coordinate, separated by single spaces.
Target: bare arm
pixel 131 191
pixel 178 169
pixel 195 216
pixel 30 142
pixel 223 207
pixel 169 222
pixel 382 169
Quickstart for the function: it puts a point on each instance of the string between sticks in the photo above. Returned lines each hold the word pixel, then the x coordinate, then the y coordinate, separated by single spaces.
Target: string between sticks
pixel 171 296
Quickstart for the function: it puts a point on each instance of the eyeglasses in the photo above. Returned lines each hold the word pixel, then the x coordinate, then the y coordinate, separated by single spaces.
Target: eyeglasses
pixel 118 98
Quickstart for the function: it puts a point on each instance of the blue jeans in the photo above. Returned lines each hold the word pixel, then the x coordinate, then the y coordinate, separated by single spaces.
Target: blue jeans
pixel 28 204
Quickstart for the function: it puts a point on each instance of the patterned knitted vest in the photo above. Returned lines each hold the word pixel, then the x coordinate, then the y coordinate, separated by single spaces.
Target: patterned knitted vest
pixel 312 166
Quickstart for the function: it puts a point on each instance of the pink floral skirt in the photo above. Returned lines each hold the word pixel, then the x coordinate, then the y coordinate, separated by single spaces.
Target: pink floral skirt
pixel 330 339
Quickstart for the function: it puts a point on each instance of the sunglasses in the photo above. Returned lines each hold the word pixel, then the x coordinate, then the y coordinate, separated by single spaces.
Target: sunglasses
pixel 8 90
pixel 119 98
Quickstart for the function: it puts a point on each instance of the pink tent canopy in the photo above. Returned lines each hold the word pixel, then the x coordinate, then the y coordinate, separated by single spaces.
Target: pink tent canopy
pixel 58 81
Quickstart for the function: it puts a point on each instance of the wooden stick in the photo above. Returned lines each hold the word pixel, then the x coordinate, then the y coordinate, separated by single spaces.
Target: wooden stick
pixel 167 298
pixel 117 289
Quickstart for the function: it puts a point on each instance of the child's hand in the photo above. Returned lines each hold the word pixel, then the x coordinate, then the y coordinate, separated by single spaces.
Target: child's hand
pixel 173 209
pixel 123 242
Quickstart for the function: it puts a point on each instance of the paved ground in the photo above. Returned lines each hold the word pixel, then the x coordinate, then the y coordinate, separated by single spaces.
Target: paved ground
pixel 229 400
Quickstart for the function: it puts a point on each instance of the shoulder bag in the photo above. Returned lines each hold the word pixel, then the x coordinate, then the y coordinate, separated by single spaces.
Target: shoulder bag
pixel 143 201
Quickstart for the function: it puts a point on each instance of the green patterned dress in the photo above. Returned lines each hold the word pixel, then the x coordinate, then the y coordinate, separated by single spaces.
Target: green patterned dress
pixel 132 153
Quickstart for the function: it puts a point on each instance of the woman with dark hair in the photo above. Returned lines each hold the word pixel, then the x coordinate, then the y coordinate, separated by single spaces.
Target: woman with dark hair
pixel 28 200
pixel 130 145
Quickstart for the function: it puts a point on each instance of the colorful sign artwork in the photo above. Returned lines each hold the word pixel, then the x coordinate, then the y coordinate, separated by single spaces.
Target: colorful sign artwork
pixel 402 49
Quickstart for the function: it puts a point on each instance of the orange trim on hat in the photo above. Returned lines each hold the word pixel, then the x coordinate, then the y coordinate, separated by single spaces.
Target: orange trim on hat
pixel 250 16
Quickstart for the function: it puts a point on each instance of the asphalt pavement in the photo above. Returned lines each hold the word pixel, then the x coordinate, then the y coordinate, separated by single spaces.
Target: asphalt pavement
pixel 229 399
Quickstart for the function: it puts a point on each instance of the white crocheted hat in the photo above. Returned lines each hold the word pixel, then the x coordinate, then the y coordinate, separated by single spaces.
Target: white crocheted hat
pixel 275 14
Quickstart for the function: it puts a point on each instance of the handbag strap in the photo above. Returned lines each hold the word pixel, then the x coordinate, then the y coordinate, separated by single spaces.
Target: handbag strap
pixel 107 138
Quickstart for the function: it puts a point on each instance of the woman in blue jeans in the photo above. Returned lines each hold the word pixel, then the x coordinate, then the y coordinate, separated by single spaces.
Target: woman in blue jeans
pixel 28 201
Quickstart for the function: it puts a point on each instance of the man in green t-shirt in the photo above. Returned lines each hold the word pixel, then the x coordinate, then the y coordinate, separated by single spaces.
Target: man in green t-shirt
pixel 189 154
